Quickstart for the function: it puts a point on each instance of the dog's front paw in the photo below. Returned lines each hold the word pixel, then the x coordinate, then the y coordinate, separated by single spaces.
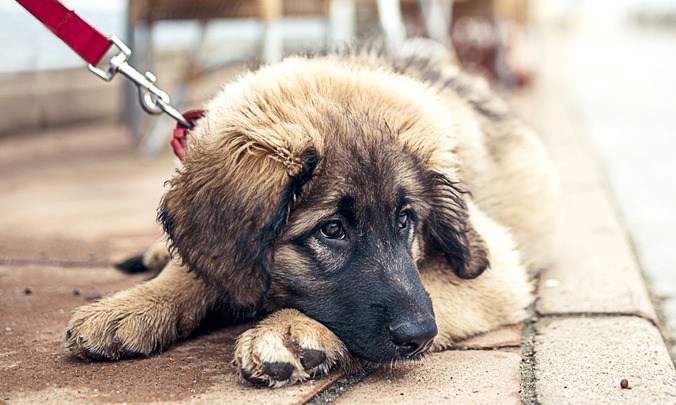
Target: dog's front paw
pixel 285 348
pixel 120 326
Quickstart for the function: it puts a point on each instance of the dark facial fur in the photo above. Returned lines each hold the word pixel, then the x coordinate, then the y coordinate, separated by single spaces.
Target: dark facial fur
pixel 351 263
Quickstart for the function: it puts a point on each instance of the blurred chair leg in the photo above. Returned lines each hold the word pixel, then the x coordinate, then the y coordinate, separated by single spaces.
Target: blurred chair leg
pixel 342 15
pixel 438 17
pixel 392 21
pixel 140 41
pixel 273 43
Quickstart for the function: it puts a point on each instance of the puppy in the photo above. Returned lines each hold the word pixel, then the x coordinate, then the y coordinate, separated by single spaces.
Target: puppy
pixel 368 203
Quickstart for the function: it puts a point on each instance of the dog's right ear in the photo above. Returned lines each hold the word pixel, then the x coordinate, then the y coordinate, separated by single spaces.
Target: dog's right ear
pixel 227 207
pixel 448 228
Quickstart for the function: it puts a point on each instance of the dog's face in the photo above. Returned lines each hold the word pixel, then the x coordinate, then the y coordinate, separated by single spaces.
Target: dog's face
pixel 333 225
pixel 347 257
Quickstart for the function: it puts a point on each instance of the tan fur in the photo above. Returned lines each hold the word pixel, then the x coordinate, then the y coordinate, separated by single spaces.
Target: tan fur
pixel 143 319
pixel 281 338
pixel 466 307
pixel 262 130
pixel 156 256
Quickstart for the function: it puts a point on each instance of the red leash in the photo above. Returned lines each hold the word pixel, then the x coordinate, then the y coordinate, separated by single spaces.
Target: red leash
pixel 92 45
pixel 84 39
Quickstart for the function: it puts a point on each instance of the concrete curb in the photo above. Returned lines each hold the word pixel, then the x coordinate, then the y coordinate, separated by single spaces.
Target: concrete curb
pixel 594 323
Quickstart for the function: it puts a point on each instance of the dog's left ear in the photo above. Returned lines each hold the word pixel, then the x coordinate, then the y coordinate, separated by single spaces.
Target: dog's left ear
pixel 448 228
pixel 227 207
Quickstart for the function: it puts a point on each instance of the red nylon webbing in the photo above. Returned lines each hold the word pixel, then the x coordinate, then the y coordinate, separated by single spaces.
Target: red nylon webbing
pixel 84 39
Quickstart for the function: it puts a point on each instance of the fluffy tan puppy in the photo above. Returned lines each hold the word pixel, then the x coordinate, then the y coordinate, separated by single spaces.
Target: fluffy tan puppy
pixel 364 204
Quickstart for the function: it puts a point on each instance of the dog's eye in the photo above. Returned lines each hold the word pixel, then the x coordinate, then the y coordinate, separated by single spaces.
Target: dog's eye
pixel 332 230
pixel 402 219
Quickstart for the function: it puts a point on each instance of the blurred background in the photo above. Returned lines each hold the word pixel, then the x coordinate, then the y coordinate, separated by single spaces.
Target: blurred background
pixel 614 64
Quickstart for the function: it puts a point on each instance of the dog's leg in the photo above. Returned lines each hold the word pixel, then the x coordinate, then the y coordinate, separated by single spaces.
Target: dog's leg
pixel 143 319
pixel 287 347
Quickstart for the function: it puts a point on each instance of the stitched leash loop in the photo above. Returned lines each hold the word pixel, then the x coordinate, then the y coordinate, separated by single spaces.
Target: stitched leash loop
pixel 92 45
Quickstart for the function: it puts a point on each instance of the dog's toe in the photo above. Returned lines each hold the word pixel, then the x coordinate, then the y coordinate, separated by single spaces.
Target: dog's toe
pixel 251 377
pixel 113 329
pixel 287 348
pixel 312 358
pixel 278 370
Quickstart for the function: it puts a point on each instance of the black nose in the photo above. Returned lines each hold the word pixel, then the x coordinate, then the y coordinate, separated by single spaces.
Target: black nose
pixel 413 338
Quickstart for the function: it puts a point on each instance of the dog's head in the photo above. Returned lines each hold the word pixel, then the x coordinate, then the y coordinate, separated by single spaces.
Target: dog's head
pixel 298 193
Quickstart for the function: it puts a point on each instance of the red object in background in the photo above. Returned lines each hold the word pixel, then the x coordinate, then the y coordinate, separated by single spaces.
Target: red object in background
pixel 496 49
pixel 477 41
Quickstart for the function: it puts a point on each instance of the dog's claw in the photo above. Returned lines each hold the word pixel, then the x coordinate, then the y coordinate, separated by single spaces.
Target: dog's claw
pixel 280 371
pixel 311 358
pixel 248 375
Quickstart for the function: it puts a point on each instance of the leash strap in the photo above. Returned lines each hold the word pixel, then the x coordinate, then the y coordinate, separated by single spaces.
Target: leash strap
pixel 81 37
pixel 92 45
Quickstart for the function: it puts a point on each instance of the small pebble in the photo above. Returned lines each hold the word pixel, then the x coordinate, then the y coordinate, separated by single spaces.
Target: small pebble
pixel 27 291
pixel 76 292
pixel 624 383
pixel 8 329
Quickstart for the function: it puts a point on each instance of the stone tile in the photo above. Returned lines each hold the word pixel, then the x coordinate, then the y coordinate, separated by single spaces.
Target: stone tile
pixel 589 210
pixel 596 270
pixel 454 376
pixel 78 195
pixel 506 336
pixel 73 252
pixel 37 369
pixel 639 169
pixel 583 360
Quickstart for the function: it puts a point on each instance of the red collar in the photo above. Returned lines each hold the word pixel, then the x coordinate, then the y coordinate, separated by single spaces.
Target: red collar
pixel 180 140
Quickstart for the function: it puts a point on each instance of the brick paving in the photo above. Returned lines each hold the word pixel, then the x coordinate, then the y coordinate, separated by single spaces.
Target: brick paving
pixel 77 199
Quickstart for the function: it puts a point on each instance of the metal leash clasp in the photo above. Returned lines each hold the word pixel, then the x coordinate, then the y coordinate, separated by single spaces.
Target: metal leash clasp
pixel 152 98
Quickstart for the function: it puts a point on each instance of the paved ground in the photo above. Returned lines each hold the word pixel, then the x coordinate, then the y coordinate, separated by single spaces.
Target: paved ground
pixel 628 98
pixel 76 200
